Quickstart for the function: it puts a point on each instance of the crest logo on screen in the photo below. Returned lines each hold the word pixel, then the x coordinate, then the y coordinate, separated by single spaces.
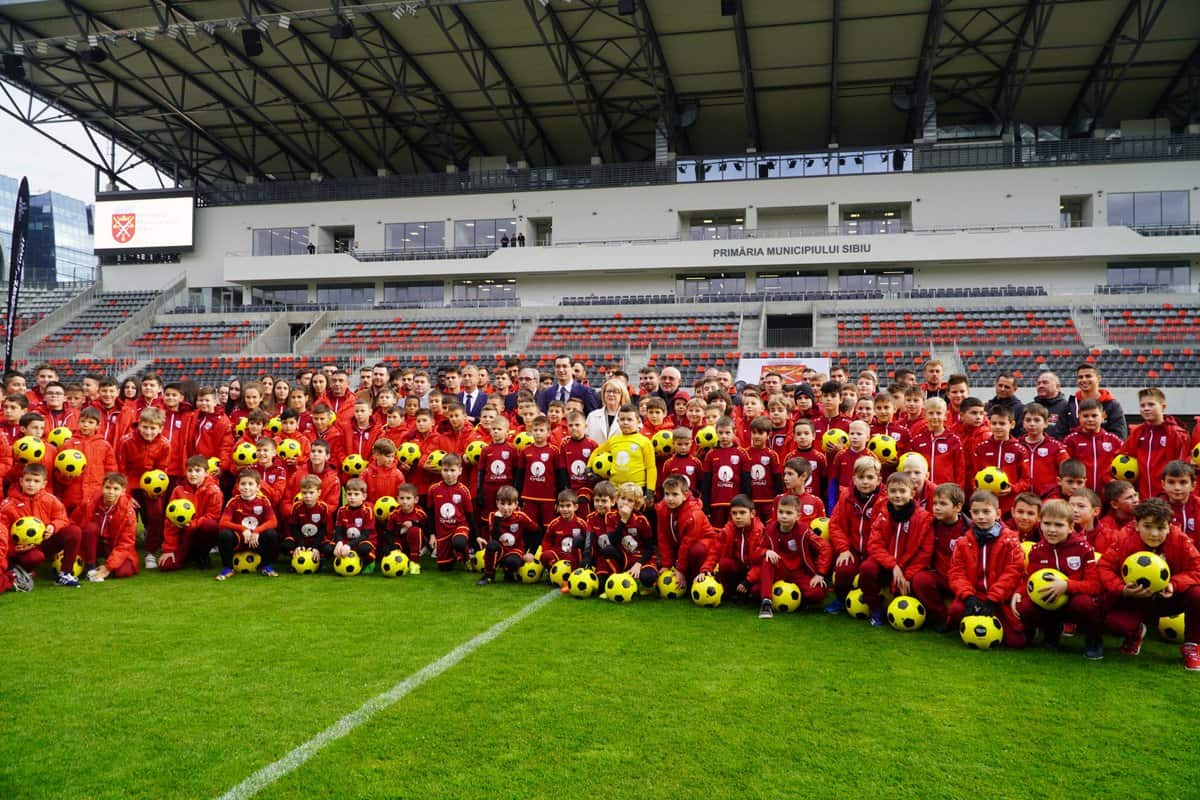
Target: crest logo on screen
pixel 124 226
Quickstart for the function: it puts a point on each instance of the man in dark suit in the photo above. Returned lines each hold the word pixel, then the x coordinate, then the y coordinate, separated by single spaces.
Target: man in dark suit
pixel 472 397
pixel 565 387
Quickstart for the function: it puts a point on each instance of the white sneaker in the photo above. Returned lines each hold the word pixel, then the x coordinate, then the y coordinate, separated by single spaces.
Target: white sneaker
pixel 151 561
pixel 93 575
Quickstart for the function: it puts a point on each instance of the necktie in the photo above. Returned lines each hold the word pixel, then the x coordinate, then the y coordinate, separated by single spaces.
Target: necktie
pixel 562 394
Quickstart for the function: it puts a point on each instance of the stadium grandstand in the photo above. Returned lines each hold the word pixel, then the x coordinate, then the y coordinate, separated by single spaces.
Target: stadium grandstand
pixel 871 183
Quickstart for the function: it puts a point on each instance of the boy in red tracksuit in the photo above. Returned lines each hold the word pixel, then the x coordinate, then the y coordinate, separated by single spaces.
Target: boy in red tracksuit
pixel 685 536
pixel 207 431
pixel 1155 442
pixel 101 460
pixel 193 541
pixel 931 586
pixel 511 537
pixel 1120 498
pixel 682 463
pixel 55 409
pixel 900 546
pixel 987 567
pixel 33 425
pixel 274 475
pixel 576 448
pixel 841 470
pixel 108 525
pixel 457 432
pixel 540 473
pixel 740 549
pixel 724 474
pixel 453 514
pixel 325 430
pixel 354 526
pixel 310 523
pixel 317 465
pixel 850 528
pixel 604 500
pixel 1064 550
pixel 1131 606
pixel 176 420
pixel 792 552
pixel 766 470
pixel 626 543
pixel 116 418
pixel 802 447
pixel 248 523
pixel 407 527
pixel 360 432
pixel 498 465
pixel 1045 454
pixel 139 451
pixel 1005 453
pixel 31 499
pixel 941 448
pixel 795 484
pixel 1179 486
pixel 424 437
pixel 972 430
pixel 381 476
pixel 1092 446
pixel 566 534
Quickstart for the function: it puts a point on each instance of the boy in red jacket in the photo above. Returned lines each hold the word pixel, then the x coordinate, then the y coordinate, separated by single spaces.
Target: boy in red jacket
pixel 1179 486
pixel 407 527
pixel 208 430
pixel 1045 454
pixel 318 466
pixel 740 549
pixel 932 586
pixel 109 526
pixel 310 523
pixel 509 537
pixel 1092 446
pixel 382 477
pixel 900 546
pixel 986 568
pixel 1131 605
pixel 1005 453
pixel 1062 549
pixel 101 460
pixel 941 448
pixel 248 523
pixel 453 526
pixel 31 499
pixel 792 552
pixel 724 474
pixel 850 528
pixel 139 451
pixel 192 542
pixel 685 536
pixel 566 534
pixel 354 527
pixel 1157 441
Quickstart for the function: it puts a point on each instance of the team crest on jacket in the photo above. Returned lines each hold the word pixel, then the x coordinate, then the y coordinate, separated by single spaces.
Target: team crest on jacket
pixel 1010 458
pixel 807 508
pixel 316 517
pixel 942 447
pixel 249 523
pixel 1074 562
pixel 1162 441
pixel 258 509
pixel 1043 451
pixel 689 469
pixel 765 460
pixel 207 426
pixel 504 455
pixel 456 497
pixel 793 545
pixel 1106 447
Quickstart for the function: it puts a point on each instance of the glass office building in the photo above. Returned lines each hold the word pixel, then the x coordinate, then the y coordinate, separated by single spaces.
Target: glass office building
pixel 59 249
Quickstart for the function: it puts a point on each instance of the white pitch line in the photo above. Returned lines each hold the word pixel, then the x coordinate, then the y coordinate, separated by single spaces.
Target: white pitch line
pixel 293 760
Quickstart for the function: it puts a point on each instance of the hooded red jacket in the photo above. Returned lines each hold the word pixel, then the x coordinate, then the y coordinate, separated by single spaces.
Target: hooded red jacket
pixel 118 528
pixel 679 529
pixel 907 544
pixel 1177 549
pixel 995 570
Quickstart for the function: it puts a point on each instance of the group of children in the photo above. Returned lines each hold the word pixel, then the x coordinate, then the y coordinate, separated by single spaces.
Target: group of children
pixel 750 493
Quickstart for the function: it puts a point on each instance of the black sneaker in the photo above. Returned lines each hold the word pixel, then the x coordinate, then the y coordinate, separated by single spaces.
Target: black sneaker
pixel 765 611
pixel 1053 635
pixel 484 581
pixel 1094 648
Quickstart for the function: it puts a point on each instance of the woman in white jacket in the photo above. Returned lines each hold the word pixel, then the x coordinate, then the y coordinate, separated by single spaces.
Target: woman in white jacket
pixel 602 422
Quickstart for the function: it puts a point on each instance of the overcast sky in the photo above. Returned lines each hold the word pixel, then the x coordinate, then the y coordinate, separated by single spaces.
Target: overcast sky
pixel 27 153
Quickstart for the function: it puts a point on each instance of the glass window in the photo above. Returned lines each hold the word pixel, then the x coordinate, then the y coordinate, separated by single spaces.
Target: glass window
pixel 1147 208
pixel 1120 209
pixel 359 294
pixel 486 290
pixel 1172 274
pixel 485 232
pixel 283 295
pixel 424 293
pixel 718 284
pixel 414 236
pixel 1175 209
pixel 770 283
pixel 279 241
pixel 883 281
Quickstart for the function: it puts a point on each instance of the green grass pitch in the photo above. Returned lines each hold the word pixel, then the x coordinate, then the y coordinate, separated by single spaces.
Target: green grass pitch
pixel 176 686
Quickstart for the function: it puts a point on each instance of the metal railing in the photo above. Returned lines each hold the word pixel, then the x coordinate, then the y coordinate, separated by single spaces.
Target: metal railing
pixel 886 159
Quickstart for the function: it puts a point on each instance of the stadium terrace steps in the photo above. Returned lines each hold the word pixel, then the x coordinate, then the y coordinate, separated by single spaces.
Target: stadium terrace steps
pixel 107 311
pixel 1163 324
pixel 967 326
pixel 35 303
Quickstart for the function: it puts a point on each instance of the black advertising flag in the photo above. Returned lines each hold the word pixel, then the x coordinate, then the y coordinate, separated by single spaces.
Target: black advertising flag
pixel 20 230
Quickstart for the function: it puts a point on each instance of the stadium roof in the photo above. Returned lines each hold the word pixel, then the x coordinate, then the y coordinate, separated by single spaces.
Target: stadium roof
pixel 411 86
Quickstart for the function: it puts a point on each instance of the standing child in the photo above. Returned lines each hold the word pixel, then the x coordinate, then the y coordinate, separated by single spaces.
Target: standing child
pixel 1179 487
pixel 540 473
pixel 248 523
pixel 1092 446
pixel 1131 606
pixel 633 455
pixel 101 460
pixel 682 463
pixel 850 528
pixel 274 476
pixel 795 484
pixel 1045 454
pixel 453 516
pixel 942 449
pixel 1068 552
pixel 318 466
pixel 1085 510
pixel 1002 451
pixel 841 472
pixel 766 470
pixel 1120 498
pixel 900 546
pixel 382 477
pixel 725 473
pixel 497 467
pixel 139 451
pixel 576 449
pixel 109 531
pixel 1155 442
pixel 792 552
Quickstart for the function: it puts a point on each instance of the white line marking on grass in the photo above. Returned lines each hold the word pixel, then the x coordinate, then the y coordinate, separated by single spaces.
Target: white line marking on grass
pixel 295 759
